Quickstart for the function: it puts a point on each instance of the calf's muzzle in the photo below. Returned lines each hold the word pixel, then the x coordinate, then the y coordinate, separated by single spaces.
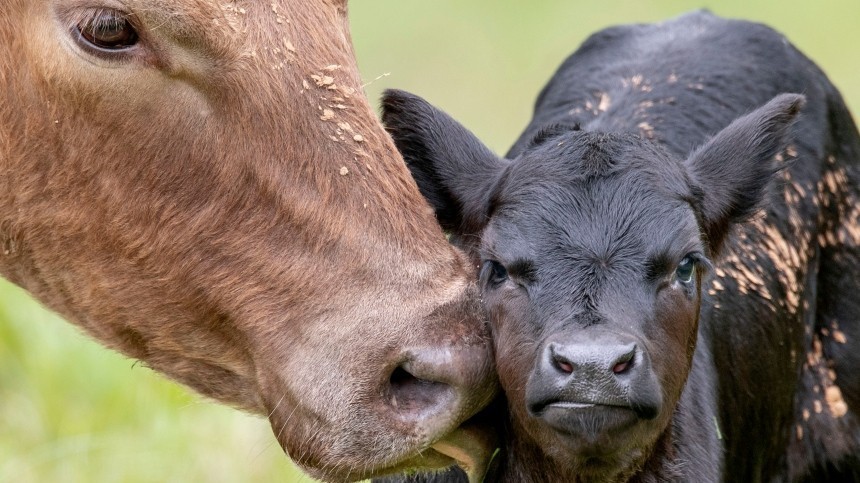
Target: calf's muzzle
pixel 592 370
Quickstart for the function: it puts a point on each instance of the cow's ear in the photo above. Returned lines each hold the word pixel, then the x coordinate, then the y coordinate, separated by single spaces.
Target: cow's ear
pixel 731 172
pixel 453 169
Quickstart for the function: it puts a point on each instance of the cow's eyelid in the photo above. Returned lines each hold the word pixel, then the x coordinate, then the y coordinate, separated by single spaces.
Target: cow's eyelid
pixel 89 25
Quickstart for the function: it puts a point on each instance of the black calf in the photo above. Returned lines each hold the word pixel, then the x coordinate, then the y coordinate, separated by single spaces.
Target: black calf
pixel 651 322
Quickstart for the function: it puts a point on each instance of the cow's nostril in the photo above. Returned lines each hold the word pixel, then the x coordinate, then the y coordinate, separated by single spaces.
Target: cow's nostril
pixel 401 377
pixel 435 387
pixel 413 396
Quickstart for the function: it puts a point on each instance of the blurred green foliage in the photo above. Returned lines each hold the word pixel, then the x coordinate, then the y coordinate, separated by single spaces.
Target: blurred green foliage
pixel 484 61
pixel 71 411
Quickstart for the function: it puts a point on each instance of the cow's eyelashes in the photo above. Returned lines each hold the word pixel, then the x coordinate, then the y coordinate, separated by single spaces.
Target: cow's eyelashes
pixel 493 274
pixel 106 32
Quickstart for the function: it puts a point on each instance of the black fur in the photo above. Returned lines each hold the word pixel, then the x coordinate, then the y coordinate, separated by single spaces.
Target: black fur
pixel 685 131
pixel 428 151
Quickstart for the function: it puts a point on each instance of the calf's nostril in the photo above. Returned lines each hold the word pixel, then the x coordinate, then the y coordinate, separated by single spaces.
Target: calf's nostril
pixel 562 364
pixel 624 363
pixel 621 367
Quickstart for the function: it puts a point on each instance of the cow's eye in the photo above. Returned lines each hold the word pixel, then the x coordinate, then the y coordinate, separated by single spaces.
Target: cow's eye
pixel 107 30
pixel 492 274
pixel 686 269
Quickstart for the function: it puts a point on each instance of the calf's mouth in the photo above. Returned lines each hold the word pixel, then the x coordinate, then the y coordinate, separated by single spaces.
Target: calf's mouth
pixel 586 421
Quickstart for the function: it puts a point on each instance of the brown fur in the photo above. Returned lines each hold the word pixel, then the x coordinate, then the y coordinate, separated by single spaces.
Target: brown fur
pixel 218 208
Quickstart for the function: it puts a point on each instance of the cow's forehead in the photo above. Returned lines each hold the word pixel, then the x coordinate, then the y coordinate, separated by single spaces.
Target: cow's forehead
pixel 221 26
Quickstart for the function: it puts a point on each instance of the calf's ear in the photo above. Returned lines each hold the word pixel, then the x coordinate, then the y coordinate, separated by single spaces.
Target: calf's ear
pixel 453 169
pixel 731 171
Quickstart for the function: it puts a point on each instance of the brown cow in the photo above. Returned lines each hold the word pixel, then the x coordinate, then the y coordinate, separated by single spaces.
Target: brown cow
pixel 201 185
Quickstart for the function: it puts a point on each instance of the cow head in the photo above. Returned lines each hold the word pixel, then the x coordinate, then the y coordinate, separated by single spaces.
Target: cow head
pixel 592 248
pixel 202 185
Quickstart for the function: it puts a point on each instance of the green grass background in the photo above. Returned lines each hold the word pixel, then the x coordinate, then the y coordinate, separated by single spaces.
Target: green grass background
pixel 71 411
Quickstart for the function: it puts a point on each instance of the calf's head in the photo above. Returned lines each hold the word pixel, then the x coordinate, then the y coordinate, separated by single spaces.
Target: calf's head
pixel 592 248
pixel 202 185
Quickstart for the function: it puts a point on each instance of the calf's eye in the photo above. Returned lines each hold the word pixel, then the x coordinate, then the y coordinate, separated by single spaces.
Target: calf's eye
pixel 686 269
pixel 492 274
pixel 107 30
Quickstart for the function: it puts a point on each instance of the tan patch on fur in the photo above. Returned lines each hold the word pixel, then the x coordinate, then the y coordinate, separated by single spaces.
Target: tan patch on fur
pixel 637 83
pixel 646 129
pixel 839 337
pixel 604 102
pixel 819 367
pixel 786 256
pixel 835 403
pixel 834 190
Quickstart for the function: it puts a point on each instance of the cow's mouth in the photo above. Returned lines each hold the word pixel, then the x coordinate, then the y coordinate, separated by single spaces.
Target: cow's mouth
pixel 472 447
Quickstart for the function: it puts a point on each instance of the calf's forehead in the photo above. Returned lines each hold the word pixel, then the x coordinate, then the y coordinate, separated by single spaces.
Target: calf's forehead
pixel 545 216
pixel 592 252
